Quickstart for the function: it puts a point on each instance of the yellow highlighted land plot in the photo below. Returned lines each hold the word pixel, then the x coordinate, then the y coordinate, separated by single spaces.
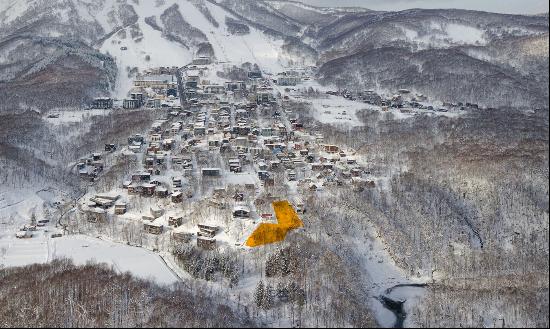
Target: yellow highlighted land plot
pixel 267 233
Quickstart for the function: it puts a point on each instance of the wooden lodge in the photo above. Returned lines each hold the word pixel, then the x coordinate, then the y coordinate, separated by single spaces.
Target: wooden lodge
pixel 207 231
pixel 153 228
pixel 206 243
pixel 121 208
pixel 175 221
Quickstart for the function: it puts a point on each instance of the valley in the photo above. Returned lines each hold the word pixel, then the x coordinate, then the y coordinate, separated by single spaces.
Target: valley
pixel 300 166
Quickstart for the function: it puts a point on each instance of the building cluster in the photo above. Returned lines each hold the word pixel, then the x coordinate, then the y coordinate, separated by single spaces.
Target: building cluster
pixel 228 145
pixel 89 168
pixel 153 89
pixel 402 99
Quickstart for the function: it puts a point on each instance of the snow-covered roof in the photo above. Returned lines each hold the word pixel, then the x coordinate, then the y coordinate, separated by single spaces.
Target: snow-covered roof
pixel 153 224
pixel 97 210
pixel 156 77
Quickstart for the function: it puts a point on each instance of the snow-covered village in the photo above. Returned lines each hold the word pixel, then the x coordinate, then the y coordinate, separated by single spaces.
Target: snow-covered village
pixel 222 163
pixel 222 151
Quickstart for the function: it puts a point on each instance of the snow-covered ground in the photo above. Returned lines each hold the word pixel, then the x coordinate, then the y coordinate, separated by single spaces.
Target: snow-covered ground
pixel 382 274
pixel 16 208
pixel 13 9
pixel 81 249
pixel 337 111
pixel 67 116
pixel 140 262
pixel 445 35
pixel 17 202
pixel 255 47
pixel 21 252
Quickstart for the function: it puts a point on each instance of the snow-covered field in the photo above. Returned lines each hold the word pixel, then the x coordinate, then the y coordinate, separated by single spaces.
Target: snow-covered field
pixel 340 112
pixel 16 208
pixel 21 252
pixel 337 111
pixel 81 249
pixel 17 204
pixel 255 47
pixel 67 116
pixel 382 273
pixel 140 262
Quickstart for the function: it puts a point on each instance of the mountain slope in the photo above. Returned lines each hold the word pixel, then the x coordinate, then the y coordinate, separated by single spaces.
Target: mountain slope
pixel 502 53
pixel 137 35
pixel 161 44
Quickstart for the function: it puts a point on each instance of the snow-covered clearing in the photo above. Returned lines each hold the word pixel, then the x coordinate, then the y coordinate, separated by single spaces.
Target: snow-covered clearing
pixel 16 208
pixel 140 262
pixel 255 47
pixel 12 9
pixel 383 273
pixel 445 35
pixel 17 202
pixel 465 34
pixel 21 252
pixel 337 111
pixel 81 249
pixel 67 116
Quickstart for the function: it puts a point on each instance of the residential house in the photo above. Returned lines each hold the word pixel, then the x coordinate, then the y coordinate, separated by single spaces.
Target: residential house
pixel 175 221
pixel 203 60
pixel 153 228
pixel 131 103
pixel 177 197
pixel 121 208
pixel 207 231
pixel 96 215
pixel 211 172
pixel 331 148
pixel 206 243
pixel 214 89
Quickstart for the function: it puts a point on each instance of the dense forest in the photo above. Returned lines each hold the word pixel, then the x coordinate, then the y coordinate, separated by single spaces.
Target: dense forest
pixel 465 202
pixel 62 295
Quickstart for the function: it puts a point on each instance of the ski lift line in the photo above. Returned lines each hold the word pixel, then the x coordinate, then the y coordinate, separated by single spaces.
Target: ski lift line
pixel 252 53
pixel 220 45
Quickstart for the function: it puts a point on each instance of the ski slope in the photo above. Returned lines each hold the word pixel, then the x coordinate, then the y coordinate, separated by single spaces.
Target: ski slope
pixel 255 47
pixel 161 51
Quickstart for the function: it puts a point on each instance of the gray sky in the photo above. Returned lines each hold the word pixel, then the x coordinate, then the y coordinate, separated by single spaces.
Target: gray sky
pixel 499 6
